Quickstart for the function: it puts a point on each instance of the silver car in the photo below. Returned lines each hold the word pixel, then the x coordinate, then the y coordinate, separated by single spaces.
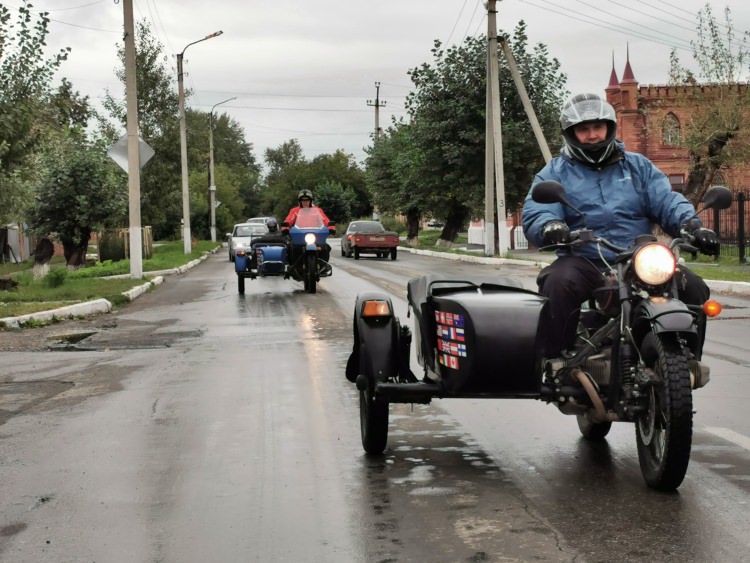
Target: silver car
pixel 242 235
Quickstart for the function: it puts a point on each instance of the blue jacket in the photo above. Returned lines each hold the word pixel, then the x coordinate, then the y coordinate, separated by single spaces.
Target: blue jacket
pixel 621 201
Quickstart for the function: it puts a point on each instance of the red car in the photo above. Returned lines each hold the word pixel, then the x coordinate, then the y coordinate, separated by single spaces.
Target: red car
pixel 368 237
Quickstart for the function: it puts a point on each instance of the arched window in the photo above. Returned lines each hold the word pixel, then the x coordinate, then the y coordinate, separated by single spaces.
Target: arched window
pixel 670 130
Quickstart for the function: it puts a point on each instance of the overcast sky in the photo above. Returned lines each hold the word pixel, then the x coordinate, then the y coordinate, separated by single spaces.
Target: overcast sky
pixel 306 70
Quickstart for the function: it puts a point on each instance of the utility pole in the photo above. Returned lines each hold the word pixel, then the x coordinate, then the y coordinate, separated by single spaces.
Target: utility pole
pixel 494 180
pixel 378 104
pixel 211 177
pixel 134 165
pixel 186 236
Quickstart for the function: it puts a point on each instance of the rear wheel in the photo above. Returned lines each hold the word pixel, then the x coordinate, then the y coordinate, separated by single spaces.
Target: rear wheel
pixel 311 273
pixel 394 251
pixel 592 430
pixel 240 285
pixel 664 433
pixel 356 253
pixel 343 252
pixel 373 416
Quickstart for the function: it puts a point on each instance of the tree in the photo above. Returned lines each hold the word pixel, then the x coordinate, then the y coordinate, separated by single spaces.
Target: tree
pixel 337 183
pixel 25 90
pixel 393 176
pixel 79 193
pixel 715 136
pixel 442 170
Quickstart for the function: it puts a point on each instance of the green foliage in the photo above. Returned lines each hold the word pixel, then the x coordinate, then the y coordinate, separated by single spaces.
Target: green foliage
pixel 435 163
pixel 55 277
pixel 392 224
pixel 335 200
pixel 78 194
pixel 161 178
pixel 25 90
pixel 336 181
pixel 716 136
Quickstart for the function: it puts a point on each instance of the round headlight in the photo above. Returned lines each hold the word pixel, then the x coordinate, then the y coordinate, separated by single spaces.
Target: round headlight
pixel 654 264
pixel 310 238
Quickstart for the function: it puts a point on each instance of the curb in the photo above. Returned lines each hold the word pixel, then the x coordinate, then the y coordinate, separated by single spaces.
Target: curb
pixel 718 286
pixel 99 306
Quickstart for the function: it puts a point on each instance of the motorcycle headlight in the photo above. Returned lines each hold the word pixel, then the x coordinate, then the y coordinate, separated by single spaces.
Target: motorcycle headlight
pixel 654 264
pixel 310 238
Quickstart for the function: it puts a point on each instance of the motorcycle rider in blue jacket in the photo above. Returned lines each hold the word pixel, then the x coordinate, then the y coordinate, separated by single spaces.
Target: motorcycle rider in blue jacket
pixel 622 195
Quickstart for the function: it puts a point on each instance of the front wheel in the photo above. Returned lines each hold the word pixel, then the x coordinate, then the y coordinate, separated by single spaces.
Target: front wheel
pixel 373 417
pixel 311 273
pixel 665 431
pixel 240 285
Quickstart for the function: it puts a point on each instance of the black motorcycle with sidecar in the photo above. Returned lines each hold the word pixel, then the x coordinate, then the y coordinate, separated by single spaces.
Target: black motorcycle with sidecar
pixel 637 358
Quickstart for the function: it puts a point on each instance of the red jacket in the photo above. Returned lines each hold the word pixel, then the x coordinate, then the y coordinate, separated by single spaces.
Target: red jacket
pixel 292 217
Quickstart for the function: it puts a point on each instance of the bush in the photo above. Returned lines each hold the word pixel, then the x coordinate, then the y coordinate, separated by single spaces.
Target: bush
pixel 393 224
pixel 55 278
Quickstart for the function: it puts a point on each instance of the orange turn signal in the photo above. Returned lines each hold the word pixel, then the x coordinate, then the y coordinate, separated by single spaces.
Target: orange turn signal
pixel 240 252
pixel 376 309
pixel 712 308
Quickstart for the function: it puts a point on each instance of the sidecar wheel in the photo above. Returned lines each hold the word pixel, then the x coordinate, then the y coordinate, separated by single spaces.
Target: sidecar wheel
pixel 373 416
pixel 240 285
pixel 664 433
pixel 592 430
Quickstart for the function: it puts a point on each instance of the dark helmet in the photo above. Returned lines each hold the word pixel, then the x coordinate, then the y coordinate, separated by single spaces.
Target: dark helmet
pixel 304 194
pixel 584 108
pixel 272 225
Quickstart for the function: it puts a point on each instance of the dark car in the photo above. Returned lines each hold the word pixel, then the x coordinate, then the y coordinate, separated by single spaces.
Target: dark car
pixel 368 237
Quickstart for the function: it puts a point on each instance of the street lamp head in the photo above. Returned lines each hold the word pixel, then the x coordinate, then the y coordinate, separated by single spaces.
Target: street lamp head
pixel 214 34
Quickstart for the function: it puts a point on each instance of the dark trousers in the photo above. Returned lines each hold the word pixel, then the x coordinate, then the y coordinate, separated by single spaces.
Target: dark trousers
pixel 571 280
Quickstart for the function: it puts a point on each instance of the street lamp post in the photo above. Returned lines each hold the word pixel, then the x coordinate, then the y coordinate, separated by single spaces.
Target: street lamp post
pixel 183 147
pixel 211 177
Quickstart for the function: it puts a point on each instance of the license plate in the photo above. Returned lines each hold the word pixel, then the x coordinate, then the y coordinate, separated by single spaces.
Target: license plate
pixel 377 239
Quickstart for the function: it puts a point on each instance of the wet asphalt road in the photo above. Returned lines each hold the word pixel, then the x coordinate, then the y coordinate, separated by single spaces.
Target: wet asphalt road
pixel 208 426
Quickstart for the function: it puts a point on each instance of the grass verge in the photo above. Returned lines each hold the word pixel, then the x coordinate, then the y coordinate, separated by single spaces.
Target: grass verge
pixel 62 287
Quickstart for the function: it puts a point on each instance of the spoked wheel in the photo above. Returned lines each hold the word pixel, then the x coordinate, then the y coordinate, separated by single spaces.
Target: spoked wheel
pixel 592 430
pixel 373 417
pixel 311 273
pixel 664 433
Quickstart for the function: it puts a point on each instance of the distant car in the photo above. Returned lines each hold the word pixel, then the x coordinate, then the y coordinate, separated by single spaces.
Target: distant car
pixel 435 224
pixel 242 235
pixel 368 237
pixel 261 220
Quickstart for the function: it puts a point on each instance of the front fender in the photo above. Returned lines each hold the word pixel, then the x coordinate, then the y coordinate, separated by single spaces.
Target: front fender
pixel 375 350
pixel 663 315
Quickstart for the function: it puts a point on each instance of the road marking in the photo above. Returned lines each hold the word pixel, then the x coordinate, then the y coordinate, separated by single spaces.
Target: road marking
pixel 730 435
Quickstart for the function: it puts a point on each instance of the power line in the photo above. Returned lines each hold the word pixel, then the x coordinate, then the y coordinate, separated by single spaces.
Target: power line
pixel 455 24
pixel 606 25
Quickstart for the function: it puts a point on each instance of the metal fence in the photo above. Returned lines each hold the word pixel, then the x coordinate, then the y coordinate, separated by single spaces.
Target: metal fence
pixel 731 225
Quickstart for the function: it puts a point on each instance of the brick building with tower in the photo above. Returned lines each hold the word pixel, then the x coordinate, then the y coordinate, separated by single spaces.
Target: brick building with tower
pixel 639 108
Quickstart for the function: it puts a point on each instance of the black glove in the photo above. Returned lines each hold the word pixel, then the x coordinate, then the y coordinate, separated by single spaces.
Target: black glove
pixel 706 241
pixel 555 232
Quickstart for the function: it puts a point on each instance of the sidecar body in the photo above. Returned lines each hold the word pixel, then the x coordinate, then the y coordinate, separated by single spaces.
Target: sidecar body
pixel 477 337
